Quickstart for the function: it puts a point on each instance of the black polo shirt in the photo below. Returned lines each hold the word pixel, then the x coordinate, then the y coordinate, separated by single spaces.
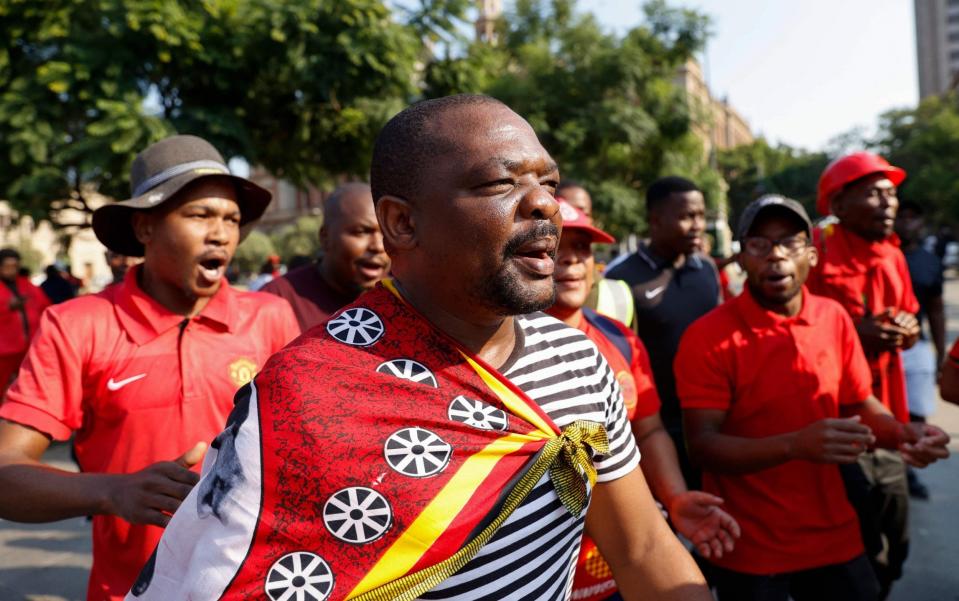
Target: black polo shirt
pixel 667 299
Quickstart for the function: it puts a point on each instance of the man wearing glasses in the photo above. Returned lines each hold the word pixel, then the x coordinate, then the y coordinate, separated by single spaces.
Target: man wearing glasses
pixel 776 392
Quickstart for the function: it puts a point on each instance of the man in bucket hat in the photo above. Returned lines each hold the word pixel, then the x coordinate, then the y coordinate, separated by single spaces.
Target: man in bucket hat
pixel 143 373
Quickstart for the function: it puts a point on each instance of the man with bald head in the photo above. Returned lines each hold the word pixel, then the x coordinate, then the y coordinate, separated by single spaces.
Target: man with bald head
pixel 353 259
pixel 441 437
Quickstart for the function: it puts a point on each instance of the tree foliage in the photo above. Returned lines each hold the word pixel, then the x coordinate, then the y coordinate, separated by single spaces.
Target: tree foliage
pixel 758 168
pixel 253 251
pixel 925 142
pixel 603 104
pixel 299 87
pixel 298 238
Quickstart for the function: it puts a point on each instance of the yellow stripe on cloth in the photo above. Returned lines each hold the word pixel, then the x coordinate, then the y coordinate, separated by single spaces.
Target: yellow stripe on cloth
pixel 507 396
pixel 510 400
pixel 436 517
pixel 562 456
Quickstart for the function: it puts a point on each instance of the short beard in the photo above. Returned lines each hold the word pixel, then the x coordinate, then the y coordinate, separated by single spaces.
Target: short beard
pixel 769 303
pixel 504 293
pixel 507 296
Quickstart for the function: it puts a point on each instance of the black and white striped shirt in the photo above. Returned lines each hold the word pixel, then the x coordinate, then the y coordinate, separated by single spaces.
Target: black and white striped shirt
pixel 533 555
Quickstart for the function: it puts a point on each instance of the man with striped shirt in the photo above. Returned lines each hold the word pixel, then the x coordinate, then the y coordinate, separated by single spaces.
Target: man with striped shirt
pixel 456 434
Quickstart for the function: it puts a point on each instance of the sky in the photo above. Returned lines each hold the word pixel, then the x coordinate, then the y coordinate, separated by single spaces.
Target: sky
pixel 803 72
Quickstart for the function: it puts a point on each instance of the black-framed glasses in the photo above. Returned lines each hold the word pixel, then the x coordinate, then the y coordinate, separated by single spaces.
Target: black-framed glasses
pixel 758 246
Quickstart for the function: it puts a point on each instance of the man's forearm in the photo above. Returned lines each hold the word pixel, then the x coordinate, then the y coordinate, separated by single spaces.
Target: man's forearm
pixel 937 328
pixel 660 466
pixel 670 573
pixel 647 559
pixel 888 432
pixel 34 492
pixel 724 454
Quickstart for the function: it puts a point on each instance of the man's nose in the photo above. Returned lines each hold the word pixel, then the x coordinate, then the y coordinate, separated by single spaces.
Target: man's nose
pixel 218 231
pixel 376 243
pixel 699 224
pixel 778 252
pixel 539 203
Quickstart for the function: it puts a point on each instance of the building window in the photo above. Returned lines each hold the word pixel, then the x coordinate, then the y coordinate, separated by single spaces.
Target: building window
pixel 953 2
pixel 954 56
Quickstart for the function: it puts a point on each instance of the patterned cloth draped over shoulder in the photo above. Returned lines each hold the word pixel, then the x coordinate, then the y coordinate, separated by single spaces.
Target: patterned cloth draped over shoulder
pixel 389 457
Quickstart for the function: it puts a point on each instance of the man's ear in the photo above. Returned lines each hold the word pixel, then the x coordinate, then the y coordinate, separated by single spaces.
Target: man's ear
pixel 324 237
pixel 395 215
pixel 652 220
pixel 837 205
pixel 142 223
pixel 813 256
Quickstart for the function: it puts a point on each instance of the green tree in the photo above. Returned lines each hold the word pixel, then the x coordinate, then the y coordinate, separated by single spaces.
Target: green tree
pixel 30 257
pixel 603 104
pixel 299 238
pixel 758 168
pixel 253 251
pixel 925 142
pixel 85 85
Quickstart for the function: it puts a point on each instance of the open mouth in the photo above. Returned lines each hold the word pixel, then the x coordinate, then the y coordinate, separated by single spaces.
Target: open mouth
pixel 538 256
pixel 778 279
pixel 212 269
pixel 371 269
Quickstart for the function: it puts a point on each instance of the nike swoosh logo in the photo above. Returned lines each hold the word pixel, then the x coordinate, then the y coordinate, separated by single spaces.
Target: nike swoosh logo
pixel 650 294
pixel 114 386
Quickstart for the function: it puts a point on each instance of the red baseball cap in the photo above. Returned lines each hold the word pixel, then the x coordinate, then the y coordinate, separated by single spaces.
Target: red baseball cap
pixel 574 219
pixel 848 169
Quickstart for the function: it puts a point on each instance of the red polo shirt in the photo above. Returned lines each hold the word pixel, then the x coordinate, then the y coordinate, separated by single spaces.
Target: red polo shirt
pixel 866 278
pixel 773 375
pixel 139 384
pixel 594 579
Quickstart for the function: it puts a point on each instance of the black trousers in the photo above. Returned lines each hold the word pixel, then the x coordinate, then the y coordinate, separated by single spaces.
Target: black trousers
pixel 879 492
pixel 850 581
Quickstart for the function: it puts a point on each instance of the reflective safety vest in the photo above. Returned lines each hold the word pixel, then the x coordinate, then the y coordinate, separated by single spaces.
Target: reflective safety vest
pixel 615 299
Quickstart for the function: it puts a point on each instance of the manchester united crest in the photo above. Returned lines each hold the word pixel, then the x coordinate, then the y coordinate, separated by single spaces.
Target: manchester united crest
pixel 242 371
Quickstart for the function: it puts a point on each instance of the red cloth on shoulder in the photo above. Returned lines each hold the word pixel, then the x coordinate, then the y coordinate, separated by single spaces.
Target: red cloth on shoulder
pixel 866 278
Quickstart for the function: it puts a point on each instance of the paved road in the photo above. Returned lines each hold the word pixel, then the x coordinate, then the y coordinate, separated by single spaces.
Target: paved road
pixel 932 572
pixel 49 562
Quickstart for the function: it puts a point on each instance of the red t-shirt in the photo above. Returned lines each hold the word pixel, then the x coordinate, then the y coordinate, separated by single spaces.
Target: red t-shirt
pixel 594 579
pixel 774 375
pixel 117 369
pixel 866 278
